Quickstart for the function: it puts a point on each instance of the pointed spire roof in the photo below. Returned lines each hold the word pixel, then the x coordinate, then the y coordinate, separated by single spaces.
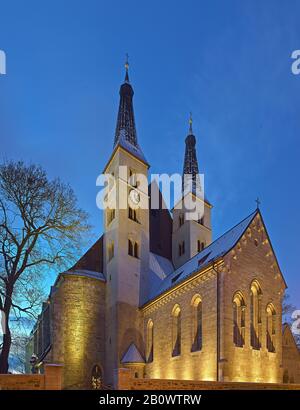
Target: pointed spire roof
pixel 132 355
pixel 190 177
pixel 126 135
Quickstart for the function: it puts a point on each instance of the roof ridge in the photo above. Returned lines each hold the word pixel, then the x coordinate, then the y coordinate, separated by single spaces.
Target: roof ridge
pixel 225 233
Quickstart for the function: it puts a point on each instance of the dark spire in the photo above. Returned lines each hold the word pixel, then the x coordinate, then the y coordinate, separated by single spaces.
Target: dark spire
pixel 125 129
pixel 190 177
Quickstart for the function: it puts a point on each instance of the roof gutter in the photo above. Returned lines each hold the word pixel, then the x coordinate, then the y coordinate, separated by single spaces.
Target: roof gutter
pixel 182 283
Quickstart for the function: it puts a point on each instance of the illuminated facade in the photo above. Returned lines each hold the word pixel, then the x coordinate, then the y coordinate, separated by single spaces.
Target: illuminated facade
pixel 156 295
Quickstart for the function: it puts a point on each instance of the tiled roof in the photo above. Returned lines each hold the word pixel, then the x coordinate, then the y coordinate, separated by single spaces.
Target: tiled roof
pixel 93 258
pixel 215 250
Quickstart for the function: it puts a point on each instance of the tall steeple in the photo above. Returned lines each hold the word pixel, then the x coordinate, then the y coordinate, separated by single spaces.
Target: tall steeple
pixel 192 213
pixel 190 177
pixel 126 239
pixel 125 135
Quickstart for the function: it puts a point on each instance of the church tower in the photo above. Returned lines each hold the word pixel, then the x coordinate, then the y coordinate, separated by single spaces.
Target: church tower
pixel 192 213
pixel 126 239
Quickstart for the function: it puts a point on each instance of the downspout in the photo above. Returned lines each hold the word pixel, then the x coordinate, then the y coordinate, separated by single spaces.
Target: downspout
pixel 218 322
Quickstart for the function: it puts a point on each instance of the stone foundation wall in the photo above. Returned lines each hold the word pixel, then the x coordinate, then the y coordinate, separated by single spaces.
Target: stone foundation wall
pixel 127 382
pixel 50 380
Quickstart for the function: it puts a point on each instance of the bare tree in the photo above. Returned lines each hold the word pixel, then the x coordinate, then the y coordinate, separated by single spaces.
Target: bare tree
pixel 40 225
pixel 287 308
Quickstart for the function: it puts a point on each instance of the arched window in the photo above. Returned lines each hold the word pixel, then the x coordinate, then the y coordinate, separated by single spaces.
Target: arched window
pixel 196 323
pixel 132 214
pixel 255 315
pixel 239 309
pixel 130 248
pixel 270 327
pixel 132 178
pixel 136 250
pixel 149 341
pixel 181 220
pixel 200 246
pixel 201 220
pixel 181 248
pixel 176 331
pixel 111 214
pixel 111 250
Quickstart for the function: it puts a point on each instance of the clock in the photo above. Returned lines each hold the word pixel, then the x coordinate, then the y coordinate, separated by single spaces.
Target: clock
pixel 134 197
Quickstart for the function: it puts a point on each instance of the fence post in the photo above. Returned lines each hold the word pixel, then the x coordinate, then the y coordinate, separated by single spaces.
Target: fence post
pixel 124 379
pixel 53 376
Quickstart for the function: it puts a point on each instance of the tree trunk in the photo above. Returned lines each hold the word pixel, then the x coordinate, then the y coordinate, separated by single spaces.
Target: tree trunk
pixel 5 352
pixel 6 345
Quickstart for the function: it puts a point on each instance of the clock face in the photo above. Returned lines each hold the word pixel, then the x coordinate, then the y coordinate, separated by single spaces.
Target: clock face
pixel 134 196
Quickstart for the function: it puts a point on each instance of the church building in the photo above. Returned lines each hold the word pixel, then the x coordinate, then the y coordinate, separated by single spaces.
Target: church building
pixel 155 294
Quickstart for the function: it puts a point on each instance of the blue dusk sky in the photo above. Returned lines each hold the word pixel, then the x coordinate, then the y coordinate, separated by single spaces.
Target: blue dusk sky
pixel 229 62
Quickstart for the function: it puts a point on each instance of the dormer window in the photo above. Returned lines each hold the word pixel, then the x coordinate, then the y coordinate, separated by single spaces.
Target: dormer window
pixel 203 259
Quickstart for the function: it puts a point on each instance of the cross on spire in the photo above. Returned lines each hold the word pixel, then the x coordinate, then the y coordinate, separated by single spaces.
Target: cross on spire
pixel 257 203
pixel 191 123
pixel 126 68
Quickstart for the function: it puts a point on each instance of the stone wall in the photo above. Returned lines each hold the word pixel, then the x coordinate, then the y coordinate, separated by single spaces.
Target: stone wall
pixel 128 382
pixel 78 339
pixel 251 259
pixel 50 380
pixel 198 365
